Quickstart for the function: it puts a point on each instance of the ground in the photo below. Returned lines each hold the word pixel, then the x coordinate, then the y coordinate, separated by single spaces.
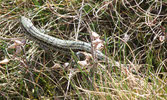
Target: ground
pixel 133 33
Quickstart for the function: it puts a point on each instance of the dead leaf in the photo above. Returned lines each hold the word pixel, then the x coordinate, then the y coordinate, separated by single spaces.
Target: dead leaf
pixel 18 49
pixel 13 46
pixel 17 45
pixel 87 60
pixel 95 35
pixel 55 66
pixel 161 38
pixel 126 37
pixel 5 61
pixel 98 44
pixel 66 64
pixel 83 63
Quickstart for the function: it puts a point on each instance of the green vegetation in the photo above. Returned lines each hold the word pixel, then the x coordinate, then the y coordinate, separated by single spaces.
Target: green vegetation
pixel 134 32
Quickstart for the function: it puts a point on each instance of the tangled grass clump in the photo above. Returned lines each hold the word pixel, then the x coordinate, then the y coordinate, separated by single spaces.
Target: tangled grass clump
pixel 134 32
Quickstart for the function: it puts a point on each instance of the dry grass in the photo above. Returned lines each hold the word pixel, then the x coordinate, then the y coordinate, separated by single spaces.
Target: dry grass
pixel 134 32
